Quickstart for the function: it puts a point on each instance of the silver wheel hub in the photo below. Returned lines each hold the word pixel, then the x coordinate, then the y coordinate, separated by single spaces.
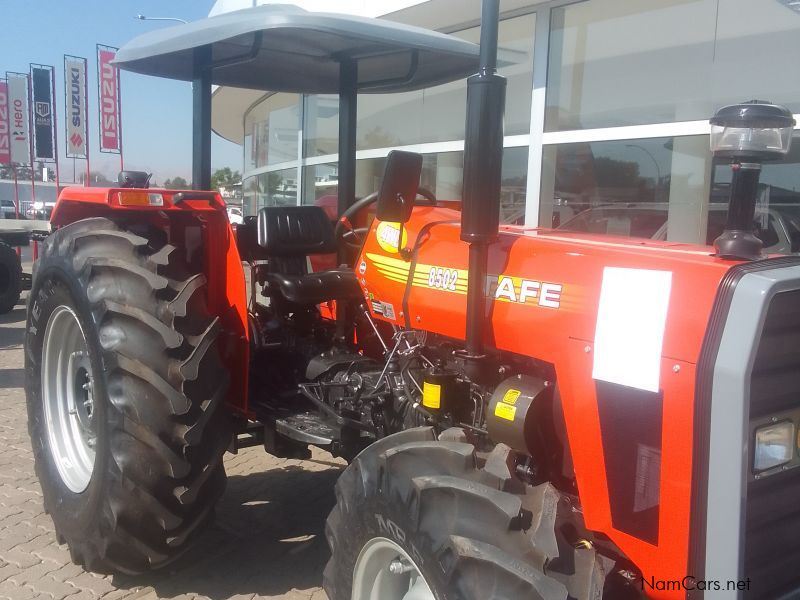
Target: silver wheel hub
pixel 68 399
pixel 384 571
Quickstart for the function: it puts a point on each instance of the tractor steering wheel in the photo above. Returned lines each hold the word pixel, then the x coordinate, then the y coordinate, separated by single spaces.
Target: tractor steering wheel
pixel 354 237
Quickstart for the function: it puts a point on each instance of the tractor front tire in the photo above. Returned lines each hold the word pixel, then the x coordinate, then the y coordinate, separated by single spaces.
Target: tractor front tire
pixel 10 278
pixel 125 394
pixel 413 508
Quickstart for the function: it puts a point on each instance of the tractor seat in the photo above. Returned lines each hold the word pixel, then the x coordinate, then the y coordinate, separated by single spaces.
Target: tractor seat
pixel 288 235
pixel 315 288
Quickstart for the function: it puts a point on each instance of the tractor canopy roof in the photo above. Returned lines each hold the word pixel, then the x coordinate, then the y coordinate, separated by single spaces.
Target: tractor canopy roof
pixel 284 48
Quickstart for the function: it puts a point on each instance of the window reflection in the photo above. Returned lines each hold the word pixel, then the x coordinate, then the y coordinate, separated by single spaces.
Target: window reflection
pixel 432 115
pixel 271 131
pixel 617 62
pixel 442 174
pixel 664 189
pixel 778 208
pixel 650 188
pixel 278 188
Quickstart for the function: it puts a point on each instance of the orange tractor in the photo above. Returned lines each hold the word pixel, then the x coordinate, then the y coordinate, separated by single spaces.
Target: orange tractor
pixel 527 413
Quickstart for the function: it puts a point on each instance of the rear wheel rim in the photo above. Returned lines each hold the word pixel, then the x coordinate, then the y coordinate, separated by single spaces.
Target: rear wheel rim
pixel 384 571
pixel 68 398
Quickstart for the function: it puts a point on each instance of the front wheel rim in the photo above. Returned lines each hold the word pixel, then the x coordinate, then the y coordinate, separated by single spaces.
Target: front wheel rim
pixel 68 398
pixel 384 571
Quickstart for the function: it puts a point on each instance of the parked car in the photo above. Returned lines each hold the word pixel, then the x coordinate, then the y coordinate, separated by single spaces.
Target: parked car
pixel 235 215
pixel 8 210
pixel 778 227
pixel 41 210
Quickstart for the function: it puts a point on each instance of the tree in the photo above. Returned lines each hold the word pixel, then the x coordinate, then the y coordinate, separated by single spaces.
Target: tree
pixel 225 178
pixel 178 183
pixel 274 183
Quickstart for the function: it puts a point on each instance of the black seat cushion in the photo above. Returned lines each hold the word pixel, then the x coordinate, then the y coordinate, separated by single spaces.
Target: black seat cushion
pixel 315 288
pixel 295 231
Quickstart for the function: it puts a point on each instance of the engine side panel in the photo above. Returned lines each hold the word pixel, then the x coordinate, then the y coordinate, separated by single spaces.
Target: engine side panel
pixel 544 290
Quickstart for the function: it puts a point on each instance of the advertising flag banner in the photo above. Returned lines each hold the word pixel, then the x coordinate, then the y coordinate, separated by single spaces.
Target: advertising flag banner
pixel 76 114
pixel 18 118
pixel 108 100
pixel 5 139
pixel 43 134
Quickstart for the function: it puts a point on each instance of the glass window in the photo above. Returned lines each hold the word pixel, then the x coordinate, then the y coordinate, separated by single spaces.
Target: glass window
pixel 321 127
pixel 438 114
pixel 616 62
pixel 250 196
pixel 271 131
pixel 442 174
pixel 516 60
pixel 278 188
pixel 514 184
pixel 755 54
pixel 649 188
pixel 386 120
pixel 664 189
pixel 320 186
pixel 778 209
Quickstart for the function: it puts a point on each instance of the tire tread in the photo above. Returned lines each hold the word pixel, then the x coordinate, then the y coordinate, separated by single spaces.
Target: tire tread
pixel 166 471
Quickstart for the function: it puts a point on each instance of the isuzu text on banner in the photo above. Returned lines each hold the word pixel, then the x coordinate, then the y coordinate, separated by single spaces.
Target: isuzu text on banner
pixel 43 134
pixel 5 140
pixel 108 100
pixel 18 118
pixel 77 112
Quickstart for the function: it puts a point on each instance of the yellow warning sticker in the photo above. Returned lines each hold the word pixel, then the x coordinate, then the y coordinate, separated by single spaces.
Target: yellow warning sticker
pixel 510 397
pixel 431 395
pixel 505 411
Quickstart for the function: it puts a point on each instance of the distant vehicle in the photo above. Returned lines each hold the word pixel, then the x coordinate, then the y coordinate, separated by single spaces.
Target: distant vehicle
pixel 40 211
pixel 8 210
pixel 235 215
pixel 778 227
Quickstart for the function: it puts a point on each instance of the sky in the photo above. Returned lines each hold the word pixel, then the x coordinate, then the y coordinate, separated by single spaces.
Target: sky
pixel 156 113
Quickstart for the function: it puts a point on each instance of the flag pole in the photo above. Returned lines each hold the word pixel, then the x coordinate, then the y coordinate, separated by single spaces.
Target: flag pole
pixel 55 127
pixel 119 116
pixel 30 142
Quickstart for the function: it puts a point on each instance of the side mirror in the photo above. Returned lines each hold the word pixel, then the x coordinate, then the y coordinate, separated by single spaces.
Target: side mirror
pixel 399 186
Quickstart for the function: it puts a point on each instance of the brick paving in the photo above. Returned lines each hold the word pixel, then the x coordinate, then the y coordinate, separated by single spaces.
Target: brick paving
pixel 267 542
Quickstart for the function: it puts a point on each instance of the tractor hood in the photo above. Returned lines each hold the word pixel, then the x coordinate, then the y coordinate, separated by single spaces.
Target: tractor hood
pixel 284 48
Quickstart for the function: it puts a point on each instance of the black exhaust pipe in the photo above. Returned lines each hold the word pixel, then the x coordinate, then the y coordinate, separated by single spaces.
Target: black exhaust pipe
pixel 483 161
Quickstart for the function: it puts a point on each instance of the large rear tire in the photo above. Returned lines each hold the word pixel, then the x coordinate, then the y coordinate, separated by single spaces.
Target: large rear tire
pixel 447 520
pixel 125 392
pixel 10 278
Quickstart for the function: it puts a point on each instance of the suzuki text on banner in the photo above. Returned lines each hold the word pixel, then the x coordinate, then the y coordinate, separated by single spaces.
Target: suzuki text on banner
pixel 75 105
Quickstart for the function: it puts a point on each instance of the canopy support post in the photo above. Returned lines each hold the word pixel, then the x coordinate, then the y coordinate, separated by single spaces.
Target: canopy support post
pixel 201 119
pixel 348 115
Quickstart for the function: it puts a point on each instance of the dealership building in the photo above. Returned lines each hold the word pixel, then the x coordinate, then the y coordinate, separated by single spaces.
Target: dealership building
pixel 606 124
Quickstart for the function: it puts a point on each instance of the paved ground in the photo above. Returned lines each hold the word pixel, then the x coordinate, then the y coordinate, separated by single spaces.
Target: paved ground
pixel 268 540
